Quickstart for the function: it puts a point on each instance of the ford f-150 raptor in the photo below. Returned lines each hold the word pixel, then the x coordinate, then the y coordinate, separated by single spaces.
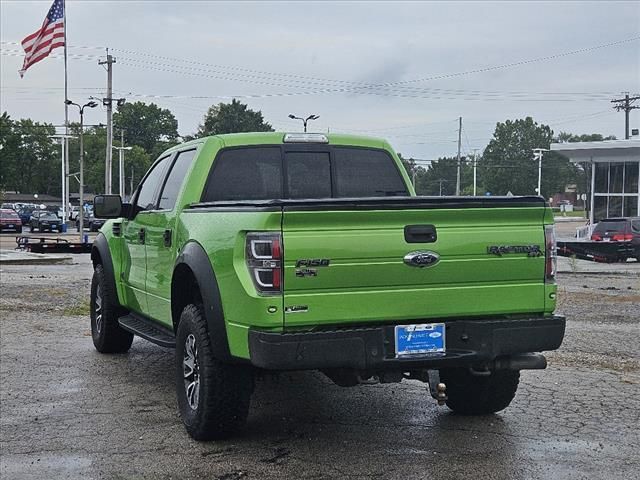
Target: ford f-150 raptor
pixel 270 251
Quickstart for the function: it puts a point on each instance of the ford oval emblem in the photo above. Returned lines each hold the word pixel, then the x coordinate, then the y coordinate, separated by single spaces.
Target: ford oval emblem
pixel 421 259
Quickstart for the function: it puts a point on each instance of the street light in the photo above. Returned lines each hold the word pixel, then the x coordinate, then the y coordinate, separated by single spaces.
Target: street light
pixel 537 155
pixel 63 176
pixel 304 120
pixel 121 168
pixel 90 104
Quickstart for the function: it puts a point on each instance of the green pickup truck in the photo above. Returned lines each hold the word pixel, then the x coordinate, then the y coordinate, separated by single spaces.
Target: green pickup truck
pixel 260 252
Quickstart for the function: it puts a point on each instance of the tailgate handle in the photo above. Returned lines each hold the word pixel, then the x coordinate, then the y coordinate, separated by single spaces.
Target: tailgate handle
pixel 420 234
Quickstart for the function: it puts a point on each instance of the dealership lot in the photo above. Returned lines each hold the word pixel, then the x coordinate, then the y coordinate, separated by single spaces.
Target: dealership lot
pixel 67 411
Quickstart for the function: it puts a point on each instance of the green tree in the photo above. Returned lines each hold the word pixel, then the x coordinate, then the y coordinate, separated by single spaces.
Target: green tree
pixel 146 125
pixel 30 159
pixel 508 165
pixel 137 161
pixel 564 137
pixel 232 117
pixel 441 176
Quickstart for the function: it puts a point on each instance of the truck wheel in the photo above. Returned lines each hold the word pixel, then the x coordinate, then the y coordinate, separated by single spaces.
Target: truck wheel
pixel 213 397
pixel 108 336
pixel 479 395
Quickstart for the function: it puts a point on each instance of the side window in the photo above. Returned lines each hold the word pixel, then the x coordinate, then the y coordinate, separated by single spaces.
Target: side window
pixel 245 174
pixel 366 173
pixel 175 179
pixel 308 175
pixel 147 196
pixel 635 226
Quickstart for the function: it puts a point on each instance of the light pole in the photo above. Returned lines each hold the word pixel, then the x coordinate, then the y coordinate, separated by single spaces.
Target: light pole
pixel 64 173
pixel 90 104
pixel 537 155
pixel 304 120
pixel 121 168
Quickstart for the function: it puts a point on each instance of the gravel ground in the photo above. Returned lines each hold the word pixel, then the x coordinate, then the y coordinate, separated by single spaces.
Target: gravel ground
pixel 67 411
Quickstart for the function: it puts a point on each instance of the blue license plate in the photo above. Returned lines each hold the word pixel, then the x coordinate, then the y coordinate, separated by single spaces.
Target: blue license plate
pixel 419 339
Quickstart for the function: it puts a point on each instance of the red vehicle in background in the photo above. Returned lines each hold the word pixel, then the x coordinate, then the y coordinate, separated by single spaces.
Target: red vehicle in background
pixel 626 230
pixel 9 220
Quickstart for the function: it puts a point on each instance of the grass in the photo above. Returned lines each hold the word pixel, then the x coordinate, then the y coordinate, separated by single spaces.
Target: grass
pixel 79 309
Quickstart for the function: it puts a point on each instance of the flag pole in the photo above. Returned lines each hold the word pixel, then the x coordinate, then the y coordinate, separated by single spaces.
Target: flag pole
pixel 65 186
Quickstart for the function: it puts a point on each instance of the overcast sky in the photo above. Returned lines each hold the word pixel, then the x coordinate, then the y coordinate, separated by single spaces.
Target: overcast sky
pixel 403 71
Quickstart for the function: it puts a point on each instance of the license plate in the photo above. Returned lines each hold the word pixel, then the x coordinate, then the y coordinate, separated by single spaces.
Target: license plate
pixel 606 239
pixel 421 339
pixel 10 225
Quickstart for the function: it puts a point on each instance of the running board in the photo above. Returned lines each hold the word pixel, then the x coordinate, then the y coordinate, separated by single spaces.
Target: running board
pixel 148 329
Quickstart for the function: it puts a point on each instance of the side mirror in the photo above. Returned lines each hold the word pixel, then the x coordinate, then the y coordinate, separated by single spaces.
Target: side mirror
pixel 107 206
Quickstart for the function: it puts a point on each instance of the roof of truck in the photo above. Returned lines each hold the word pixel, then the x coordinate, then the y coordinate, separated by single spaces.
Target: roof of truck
pixel 277 138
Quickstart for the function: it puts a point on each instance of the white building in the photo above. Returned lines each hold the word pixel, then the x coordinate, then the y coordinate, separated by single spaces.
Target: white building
pixel 614 183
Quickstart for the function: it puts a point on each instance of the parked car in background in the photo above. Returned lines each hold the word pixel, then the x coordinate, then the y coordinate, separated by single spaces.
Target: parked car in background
pixel 625 230
pixel 90 222
pixel 9 220
pixel 43 220
pixel 25 215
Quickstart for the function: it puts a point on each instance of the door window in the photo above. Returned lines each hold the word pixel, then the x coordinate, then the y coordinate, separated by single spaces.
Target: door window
pixel 175 179
pixel 146 199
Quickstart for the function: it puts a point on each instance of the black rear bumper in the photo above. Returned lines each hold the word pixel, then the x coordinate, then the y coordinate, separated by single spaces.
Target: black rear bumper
pixel 469 342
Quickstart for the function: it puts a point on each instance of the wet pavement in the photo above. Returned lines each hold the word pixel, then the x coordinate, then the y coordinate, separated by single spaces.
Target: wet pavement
pixel 67 411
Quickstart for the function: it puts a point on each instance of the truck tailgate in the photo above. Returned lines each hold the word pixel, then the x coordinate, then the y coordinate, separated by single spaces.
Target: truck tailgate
pixel 344 263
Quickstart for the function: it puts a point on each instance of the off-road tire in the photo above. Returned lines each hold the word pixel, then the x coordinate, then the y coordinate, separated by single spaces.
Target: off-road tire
pixel 479 395
pixel 108 336
pixel 223 390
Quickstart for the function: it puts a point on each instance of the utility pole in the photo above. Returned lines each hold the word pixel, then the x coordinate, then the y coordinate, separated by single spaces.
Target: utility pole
pixel 459 146
pixel 626 104
pixel 108 102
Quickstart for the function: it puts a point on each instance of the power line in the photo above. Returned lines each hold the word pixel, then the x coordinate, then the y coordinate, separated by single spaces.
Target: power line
pixel 350 86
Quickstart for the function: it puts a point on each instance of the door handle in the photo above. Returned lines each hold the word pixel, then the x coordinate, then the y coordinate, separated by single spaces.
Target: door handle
pixel 420 234
pixel 141 235
pixel 166 236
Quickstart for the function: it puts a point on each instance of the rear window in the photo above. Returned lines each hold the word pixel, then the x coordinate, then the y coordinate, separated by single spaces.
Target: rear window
pixel 366 173
pixel 262 173
pixel 616 226
pixel 8 215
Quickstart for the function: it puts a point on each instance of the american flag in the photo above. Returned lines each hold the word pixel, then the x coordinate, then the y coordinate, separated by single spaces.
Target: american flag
pixel 51 35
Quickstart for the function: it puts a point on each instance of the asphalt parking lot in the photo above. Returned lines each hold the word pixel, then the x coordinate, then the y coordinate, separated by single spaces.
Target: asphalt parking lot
pixel 67 411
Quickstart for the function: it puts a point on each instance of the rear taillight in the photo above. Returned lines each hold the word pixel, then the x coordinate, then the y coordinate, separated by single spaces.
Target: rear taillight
pixel 619 237
pixel 596 238
pixel 264 260
pixel 550 254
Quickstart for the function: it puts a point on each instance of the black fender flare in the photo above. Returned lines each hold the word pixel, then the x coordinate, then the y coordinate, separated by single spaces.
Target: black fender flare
pixel 194 257
pixel 100 249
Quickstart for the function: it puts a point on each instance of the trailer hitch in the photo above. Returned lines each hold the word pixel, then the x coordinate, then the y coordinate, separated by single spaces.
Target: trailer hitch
pixel 437 389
